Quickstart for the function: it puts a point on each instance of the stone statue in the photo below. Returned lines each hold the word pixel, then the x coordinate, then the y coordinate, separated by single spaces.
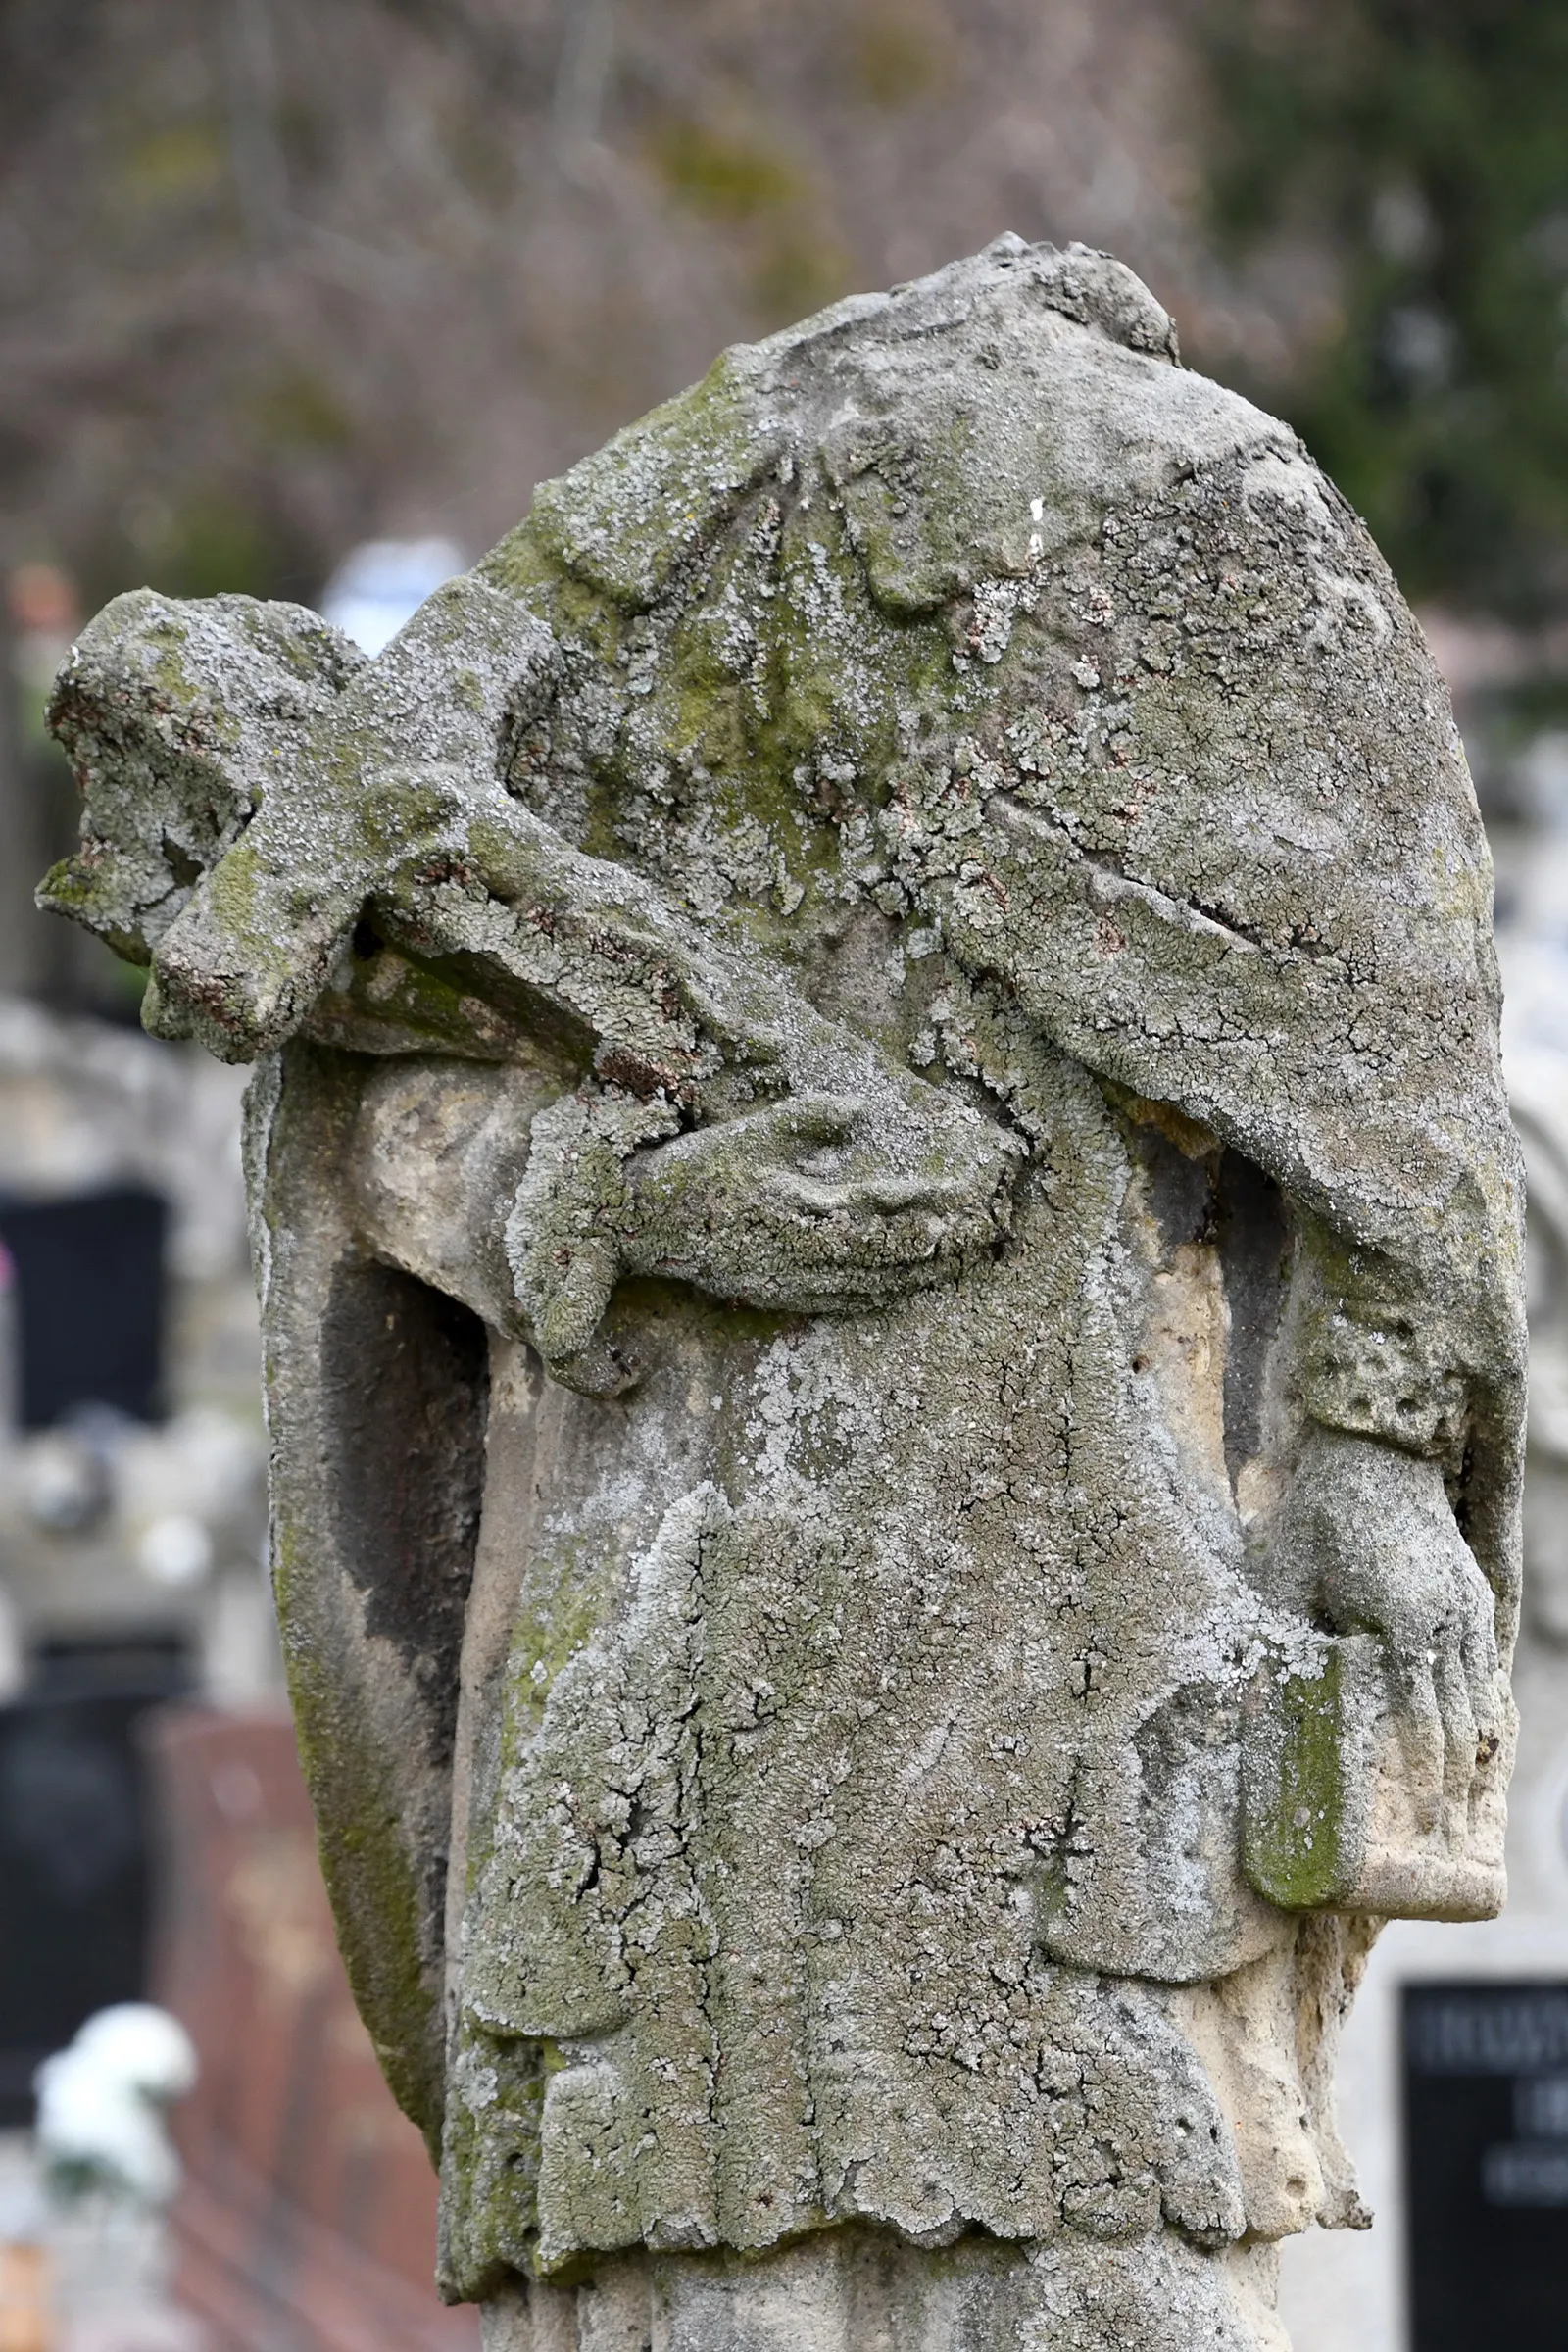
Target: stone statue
pixel 891 1260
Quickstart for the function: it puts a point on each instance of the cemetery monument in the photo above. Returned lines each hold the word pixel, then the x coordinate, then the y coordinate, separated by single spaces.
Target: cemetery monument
pixel 891 1263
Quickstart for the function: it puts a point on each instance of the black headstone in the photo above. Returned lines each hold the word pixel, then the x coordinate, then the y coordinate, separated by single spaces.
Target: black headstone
pixel 89 1302
pixel 1486 2159
pixel 75 1848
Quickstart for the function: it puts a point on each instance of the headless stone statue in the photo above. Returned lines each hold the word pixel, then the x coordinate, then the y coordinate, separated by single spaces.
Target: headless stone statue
pixel 890 1252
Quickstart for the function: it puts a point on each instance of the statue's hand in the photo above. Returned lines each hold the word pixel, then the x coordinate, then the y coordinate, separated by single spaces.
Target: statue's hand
pixel 818 1202
pixel 374 797
pixel 248 958
pixel 1366 1542
pixel 808 1205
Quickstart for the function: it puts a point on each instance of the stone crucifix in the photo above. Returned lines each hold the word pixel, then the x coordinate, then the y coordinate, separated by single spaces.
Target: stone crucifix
pixel 891 1260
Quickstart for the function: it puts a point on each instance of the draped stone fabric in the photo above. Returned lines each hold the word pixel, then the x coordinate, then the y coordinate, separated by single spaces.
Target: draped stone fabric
pixel 891 1255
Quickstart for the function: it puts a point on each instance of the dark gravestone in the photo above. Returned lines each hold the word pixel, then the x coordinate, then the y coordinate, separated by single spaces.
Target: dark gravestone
pixel 1486 2134
pixel 90 1290
pixel 74 1849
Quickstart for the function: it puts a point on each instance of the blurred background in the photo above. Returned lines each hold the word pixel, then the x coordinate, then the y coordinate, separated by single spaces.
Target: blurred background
pixel 301 298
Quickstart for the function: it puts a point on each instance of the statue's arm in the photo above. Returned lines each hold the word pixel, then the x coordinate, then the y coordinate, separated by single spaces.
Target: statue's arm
pixel 808 1205
pixel 527 1201
pixel 719 1130
pixel 1388 1485
pixel 1375 1536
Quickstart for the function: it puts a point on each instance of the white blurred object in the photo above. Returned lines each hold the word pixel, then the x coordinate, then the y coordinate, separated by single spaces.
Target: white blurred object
pixel 187 1494
pixel 241 1662
pixel 101 2105
pixel 173 1492
pixel 1535 1047
pixel 1539 774
pixel 383 583
pixel 24 2209
pixel 200 1461
pixel 174 1551
pixel 67 1478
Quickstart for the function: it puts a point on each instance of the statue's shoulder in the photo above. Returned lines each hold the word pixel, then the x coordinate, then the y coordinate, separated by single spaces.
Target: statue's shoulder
pixel 967 421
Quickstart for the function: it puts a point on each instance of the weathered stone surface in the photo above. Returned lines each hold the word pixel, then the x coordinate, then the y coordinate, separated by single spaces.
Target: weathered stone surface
pixel 891 1254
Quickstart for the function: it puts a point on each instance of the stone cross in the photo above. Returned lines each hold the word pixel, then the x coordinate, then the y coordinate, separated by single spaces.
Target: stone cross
pixel 889 1250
